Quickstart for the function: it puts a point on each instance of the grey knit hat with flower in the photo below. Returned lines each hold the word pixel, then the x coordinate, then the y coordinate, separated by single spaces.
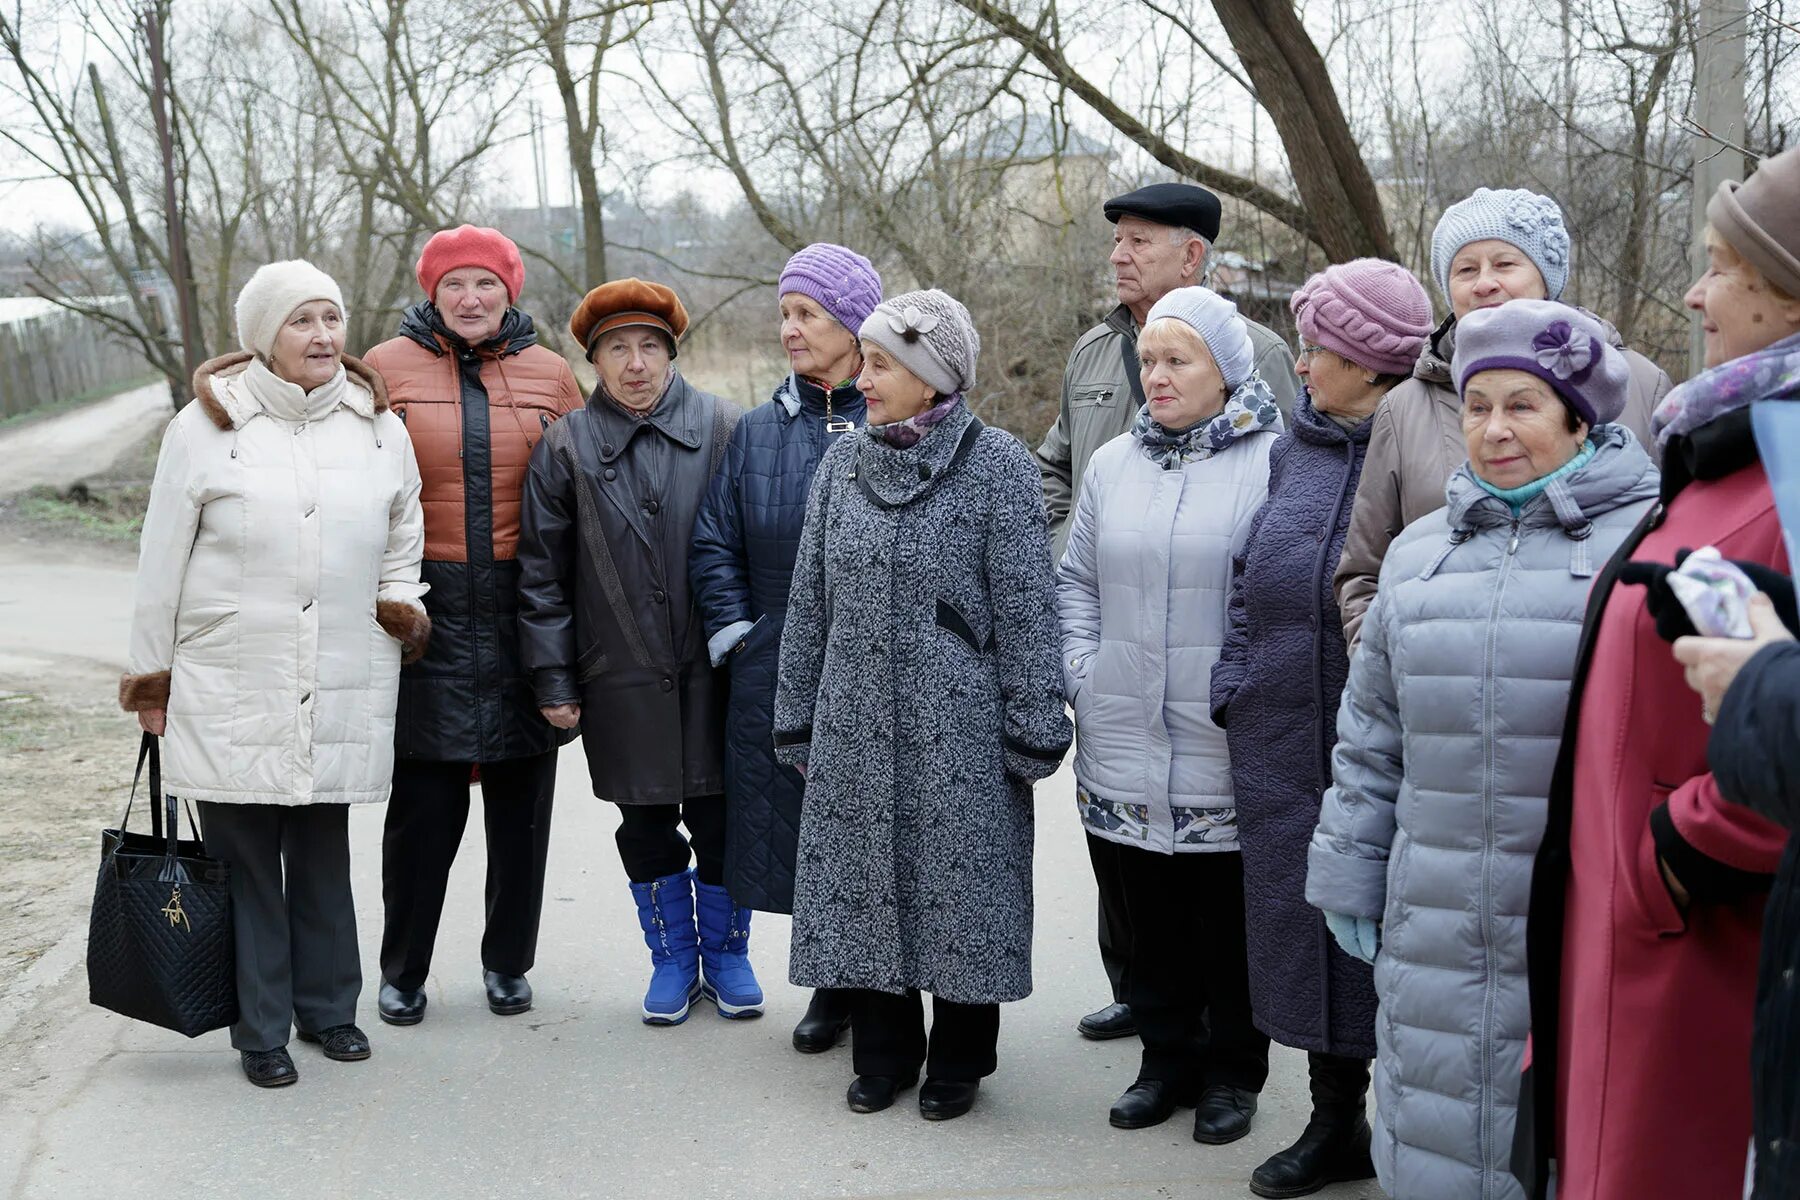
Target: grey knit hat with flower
pixel 1562 346
pixel 930 334
pixel 1515 216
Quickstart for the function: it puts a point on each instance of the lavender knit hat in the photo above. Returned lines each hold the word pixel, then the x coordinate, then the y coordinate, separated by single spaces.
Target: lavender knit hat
pixel 1515 216
pixel 841 280
pixel 1563 346
pixel 931 334
pixel 1374 313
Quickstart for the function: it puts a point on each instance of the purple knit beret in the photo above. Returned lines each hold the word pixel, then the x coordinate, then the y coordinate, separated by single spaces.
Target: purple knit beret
pixel 841 280
pixel 1374 313
pixel 1563 346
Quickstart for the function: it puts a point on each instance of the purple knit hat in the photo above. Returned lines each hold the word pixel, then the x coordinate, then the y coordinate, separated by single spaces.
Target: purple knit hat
pixel 1563 346
pixel 841 280
pixel 1374 313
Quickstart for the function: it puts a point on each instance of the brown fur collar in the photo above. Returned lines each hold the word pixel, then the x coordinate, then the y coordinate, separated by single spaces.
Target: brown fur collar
pixel 406 624
pixel 140 692
pixel 237 360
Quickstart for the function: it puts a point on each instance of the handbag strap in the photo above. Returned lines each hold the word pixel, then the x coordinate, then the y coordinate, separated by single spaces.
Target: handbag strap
pixel 162 805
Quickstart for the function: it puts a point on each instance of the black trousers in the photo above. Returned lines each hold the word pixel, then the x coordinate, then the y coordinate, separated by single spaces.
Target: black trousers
pixel 651 845
pixel 425 818
pixel 293 916
pixel 1115 946
pixel 1187 975
pixel 888 1036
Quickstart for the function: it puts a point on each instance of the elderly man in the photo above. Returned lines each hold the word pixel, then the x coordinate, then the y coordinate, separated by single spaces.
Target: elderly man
pixel 1162 235
pixel 615 640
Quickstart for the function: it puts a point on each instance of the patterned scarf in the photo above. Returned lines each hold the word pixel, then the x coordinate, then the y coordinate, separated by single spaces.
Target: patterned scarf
pixel 1772 373
pixel 1250 408
pixel 903 435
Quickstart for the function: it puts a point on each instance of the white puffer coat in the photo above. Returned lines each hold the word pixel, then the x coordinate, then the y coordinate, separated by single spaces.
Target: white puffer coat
pixel 278 581
pixel 1142 594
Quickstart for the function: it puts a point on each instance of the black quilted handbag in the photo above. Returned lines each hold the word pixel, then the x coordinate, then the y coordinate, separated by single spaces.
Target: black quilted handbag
pixel 159 938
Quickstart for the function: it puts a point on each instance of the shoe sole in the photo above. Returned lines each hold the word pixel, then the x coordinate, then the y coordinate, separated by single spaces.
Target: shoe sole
pixel 414 1019
pixel 944 1114
pixel 674 1018
pixel 1118 1124
pixel 731 1012
pixel 1269 1193
pixel 1214 1140
pixel 1110 1035
pixel 807 1047
pixel 282 1081
pixel 508 1010
pixel 310 1040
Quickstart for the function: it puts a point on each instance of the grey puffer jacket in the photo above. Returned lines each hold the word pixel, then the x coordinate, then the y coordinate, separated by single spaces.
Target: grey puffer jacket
pixel 1447 737
pixel 920 686
pixel 1143 591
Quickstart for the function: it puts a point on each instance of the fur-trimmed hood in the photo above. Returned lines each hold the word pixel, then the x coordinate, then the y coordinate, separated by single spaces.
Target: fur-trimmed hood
pixel 231 408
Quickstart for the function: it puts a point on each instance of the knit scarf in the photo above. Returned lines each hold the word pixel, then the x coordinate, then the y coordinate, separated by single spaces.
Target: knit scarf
pixel 903 435
pixel 1520 496
pixel 1248 409
pixel 1772 373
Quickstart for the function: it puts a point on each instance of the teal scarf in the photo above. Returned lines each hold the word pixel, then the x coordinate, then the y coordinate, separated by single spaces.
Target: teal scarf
pixel 1522 495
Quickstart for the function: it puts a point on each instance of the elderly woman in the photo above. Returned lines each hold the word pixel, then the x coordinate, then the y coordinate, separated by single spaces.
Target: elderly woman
pixel 1493 247
pixel 919 692
pixel 476 391
pixel 1447 737
pixel 614 640
pixel 1276 689
pixel 1649 895
pixel 1142 596
pixel 742 563
pixel 277 593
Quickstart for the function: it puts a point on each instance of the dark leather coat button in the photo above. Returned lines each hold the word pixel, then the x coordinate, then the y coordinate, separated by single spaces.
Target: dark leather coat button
pixel 609 475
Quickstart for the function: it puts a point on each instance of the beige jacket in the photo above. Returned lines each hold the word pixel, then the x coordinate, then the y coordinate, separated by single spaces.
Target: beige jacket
pixel 1415 445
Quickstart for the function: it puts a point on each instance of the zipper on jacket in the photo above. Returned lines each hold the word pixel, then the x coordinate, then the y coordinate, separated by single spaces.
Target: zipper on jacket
pixel 1484 911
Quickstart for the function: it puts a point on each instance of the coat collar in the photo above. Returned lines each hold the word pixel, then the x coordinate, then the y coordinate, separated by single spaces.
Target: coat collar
pixel 230 406
pixel 1311 425
pixel 677 417
pixel 795 395
pixel 1620 473
pixel 902 476
pixel 425 325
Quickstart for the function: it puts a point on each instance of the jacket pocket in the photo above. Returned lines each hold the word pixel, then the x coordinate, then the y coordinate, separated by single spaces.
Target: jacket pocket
pixel 211 626
pixel 1658 907
pixel 590 664
pixel 950 619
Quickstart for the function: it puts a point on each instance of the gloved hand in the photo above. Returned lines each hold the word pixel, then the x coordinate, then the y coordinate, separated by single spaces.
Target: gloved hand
pixel 1672 620
pixel 1359 937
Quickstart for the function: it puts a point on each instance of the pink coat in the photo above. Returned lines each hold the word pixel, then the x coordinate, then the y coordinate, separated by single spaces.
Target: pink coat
pixel 1652 1009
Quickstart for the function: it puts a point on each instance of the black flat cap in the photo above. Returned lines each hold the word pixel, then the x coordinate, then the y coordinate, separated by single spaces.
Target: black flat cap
pixel 1170 204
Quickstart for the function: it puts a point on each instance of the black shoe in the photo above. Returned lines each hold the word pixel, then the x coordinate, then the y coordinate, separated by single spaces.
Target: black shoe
pixel 827 1017
pixel 1145 1103
pixel 1223 1114
pixel 268 1068
pixel 508 995
pixel 341 1043
pixel 1103 1025
pixel 872 1093
pixel 400 1008
pixel 947 1099
pixel 1330 1150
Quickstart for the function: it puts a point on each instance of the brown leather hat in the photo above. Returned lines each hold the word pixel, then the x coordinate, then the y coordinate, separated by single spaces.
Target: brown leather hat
pixel 626 302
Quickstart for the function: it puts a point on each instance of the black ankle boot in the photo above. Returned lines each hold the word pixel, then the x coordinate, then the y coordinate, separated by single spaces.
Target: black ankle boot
pixel 1334 1148
pixel 827 1016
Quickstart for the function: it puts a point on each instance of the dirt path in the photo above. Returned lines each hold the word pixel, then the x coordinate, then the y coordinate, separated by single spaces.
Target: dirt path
pixel 60 450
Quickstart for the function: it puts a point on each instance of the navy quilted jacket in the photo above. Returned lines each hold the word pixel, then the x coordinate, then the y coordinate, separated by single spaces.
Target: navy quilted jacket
pixel 740 565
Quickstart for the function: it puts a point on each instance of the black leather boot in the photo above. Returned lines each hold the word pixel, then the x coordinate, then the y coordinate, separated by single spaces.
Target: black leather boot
pixel 508 995
pixel 1334 1147
pixel 827 1016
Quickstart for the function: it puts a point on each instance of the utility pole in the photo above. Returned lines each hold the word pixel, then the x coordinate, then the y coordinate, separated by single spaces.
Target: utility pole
pixel 1720 123
pixel 180 273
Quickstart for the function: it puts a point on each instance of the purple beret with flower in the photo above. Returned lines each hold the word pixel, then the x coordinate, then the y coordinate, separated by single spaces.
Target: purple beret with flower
pixel 1563 346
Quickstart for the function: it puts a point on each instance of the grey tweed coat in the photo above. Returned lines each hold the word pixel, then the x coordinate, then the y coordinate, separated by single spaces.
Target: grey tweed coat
pixel 919 682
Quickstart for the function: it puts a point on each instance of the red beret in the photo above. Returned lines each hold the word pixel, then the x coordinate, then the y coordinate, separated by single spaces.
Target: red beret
pixel 471 246
pixel 628 302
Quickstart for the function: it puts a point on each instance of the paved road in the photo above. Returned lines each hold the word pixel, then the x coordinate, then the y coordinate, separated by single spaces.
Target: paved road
pixel 57 451
pixel 577 1098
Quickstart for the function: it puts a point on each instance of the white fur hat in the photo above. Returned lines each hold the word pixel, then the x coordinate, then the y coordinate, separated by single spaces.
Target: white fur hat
pixel 272 294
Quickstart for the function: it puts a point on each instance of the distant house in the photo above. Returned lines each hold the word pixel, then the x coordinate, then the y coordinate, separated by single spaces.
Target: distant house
pixel 1046 171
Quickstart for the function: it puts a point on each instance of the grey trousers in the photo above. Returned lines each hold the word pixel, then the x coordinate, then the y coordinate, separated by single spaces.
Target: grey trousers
pixel 294 919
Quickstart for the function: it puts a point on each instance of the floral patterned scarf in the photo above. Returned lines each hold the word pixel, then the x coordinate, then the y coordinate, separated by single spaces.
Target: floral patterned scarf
pixel 903 435
pixel 1772 373
pixel 1250 408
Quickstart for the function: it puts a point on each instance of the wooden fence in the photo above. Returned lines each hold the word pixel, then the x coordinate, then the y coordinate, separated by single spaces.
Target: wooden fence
pixel 49 355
